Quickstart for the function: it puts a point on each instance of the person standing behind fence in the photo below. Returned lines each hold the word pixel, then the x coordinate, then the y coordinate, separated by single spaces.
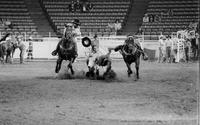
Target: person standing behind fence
pixel 174 47
pixel 187 45
pixel 21 47
pixel 168 49
pixel 161 48
pixel 30 49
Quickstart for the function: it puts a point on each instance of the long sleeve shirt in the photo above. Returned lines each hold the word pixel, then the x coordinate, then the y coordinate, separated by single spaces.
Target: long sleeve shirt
pixel 168 42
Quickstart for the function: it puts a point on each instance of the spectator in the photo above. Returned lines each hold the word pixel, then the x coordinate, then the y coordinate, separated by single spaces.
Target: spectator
pixel 162 49
pixel 151 18
pixel 72 7
pixel 22 47
pixel 30 49
pixel 186 49
pixel 193 25
pixel 78 5
pixel 168 49
pixel 146 18
pixel 1 21
pixel 170 12
pixel 8 23
pixel 140 31
pixel 174 47
pixel 117 26
pixel 89 6
pixel 84 7
pixel 157 18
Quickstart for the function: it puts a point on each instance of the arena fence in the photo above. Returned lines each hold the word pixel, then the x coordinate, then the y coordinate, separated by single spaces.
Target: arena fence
pixel 42 49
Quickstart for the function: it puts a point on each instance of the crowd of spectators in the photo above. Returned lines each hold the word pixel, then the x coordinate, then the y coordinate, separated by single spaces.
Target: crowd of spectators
pixel 6 22
pixel 117 25
pixel 149 18
pixel 80 6
pixel 177 47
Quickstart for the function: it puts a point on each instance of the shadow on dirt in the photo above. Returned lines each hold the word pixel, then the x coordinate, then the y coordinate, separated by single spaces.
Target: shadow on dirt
pixel 64 75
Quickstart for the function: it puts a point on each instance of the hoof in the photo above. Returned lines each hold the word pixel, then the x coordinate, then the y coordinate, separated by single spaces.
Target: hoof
pixel 55 76
pixel 72 72
pixel 54 53
pixel 129 73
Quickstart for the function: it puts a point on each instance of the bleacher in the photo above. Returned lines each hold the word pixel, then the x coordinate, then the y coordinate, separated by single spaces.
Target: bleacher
pixel 16 12
pixel 184 11
pixel 95 21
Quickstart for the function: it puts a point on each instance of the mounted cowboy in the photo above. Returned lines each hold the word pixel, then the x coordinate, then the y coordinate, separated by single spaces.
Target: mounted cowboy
pixel 131 51
pixel 130 41
pixel 71 31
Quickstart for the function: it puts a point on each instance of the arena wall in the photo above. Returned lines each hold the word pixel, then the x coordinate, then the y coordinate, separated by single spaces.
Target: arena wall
pixel 42 50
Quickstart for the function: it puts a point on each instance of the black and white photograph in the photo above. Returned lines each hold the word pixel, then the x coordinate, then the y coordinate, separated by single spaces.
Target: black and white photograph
pixel 99 62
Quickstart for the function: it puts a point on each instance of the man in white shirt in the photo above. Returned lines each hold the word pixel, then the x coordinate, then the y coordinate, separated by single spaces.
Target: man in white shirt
pixel 174 47
pixel 93 52
pixel 162 49
pixel 168 44
pixel 22 47
pixel 146 18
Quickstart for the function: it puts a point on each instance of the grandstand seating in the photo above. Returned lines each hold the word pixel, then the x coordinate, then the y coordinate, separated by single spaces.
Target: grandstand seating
pixel 184 11
pixel 96 20
pixel 16 12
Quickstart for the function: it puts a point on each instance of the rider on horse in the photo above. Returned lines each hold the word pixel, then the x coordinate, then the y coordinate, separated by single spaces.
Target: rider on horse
pixel 130 41
pixel 71 32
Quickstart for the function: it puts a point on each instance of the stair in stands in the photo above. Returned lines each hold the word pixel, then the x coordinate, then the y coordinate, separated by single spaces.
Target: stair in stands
pixel 134 19
pixel 39 18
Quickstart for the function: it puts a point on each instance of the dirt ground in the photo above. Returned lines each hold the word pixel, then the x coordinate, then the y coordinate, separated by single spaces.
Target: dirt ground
pixel 165 94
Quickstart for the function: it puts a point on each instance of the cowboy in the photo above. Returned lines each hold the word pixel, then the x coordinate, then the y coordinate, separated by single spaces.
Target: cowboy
pixel 30 49
pixel 71 32
pixel 187 45
pixel 94 52
pixel 161 48
pixel 174 47
pixel 22 47
pixel 168 44
pixel 104 61
pixel 131 41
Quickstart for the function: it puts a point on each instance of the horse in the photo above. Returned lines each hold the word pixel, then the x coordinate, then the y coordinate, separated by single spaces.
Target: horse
pixel 7 49
pixel 66 51
pixel 130 54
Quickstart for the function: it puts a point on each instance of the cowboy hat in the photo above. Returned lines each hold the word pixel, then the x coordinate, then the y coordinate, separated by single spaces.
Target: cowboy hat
pixel 76 21
pixel 86 42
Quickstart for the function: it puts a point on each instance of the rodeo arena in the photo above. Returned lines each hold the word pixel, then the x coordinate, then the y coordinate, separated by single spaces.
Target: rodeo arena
pixel 99 62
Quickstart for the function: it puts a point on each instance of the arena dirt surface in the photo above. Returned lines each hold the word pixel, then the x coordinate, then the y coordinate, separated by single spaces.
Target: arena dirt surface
pixel 165 94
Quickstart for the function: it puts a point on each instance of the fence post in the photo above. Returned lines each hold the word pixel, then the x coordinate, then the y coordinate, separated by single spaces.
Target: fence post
pixel 25 36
